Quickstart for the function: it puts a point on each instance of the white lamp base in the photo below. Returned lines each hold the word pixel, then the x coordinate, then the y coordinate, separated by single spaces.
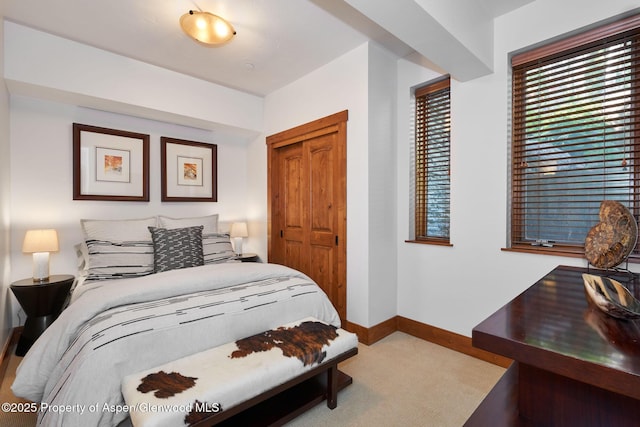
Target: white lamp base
pixel 237 245
pixel 40 266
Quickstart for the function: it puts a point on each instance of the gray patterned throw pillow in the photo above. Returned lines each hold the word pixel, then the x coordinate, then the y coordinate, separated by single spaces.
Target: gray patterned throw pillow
pixel 176 248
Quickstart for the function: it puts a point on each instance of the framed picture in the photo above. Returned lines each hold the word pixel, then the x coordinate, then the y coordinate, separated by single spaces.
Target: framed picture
pixel 189 171
pixel 110 164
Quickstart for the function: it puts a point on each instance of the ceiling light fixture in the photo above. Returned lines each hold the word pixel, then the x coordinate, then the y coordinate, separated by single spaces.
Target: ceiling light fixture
pixel 206 28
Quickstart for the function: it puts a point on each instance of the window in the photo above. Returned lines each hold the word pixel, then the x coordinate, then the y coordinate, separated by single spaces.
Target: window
pixel 575 136
pixel 432 118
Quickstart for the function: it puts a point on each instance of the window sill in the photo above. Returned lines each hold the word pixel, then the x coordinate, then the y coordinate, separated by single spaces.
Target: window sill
pixel 544 251
pixel 575 253
pixel 430 242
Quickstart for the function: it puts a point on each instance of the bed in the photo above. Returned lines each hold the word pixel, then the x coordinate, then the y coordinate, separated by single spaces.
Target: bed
pixel 113 328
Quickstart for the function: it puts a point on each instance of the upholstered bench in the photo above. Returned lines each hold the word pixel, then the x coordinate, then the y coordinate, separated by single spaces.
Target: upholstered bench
pixel 212 386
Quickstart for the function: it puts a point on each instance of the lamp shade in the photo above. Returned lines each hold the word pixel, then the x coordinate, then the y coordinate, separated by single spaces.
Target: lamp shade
pixel 40 241
pixel 239 229
pixel 206 28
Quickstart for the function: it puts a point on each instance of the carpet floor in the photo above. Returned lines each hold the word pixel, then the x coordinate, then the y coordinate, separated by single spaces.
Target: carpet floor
pixel 398 381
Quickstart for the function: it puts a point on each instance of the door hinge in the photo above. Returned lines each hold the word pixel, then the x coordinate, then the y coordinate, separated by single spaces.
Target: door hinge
pixel 336 240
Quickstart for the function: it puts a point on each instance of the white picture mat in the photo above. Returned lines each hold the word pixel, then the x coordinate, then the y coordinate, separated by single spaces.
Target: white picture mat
pixel 175 168
pixel 90 142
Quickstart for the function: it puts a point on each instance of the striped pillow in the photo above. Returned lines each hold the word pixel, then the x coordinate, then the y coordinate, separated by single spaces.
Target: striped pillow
pixel 118 249
pixel 217 248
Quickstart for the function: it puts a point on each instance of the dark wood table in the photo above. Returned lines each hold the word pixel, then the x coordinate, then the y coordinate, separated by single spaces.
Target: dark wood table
pixel 42 302
pixel 248 257
pixel 573 365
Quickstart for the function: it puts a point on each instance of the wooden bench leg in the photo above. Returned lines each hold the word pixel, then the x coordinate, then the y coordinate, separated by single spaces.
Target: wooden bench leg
pixel 332 386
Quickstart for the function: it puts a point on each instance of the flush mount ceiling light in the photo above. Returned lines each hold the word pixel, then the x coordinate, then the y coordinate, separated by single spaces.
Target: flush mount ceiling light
pixel 206 28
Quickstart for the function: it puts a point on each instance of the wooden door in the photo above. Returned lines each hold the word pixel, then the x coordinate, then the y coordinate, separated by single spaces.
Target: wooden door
pixel 291 207
pixel 307 208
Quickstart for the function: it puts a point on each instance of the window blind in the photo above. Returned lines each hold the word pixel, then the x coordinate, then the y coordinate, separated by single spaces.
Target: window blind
pixel 432 143
pixel 575 135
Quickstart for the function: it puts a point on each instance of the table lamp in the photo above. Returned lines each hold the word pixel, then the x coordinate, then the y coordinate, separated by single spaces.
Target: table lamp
pixel 238 231
pixel 40 243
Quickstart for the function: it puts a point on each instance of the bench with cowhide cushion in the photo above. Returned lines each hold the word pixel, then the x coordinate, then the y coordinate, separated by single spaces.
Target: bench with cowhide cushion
pixel 264 379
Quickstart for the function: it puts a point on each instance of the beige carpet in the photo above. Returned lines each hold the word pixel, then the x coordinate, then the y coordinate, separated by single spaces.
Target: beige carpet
pixel 11 418
pixel 405 381
pixel 399 381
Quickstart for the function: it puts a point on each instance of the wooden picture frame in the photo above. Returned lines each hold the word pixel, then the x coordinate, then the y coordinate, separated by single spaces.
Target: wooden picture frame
pixel 110 164
pixel 189 170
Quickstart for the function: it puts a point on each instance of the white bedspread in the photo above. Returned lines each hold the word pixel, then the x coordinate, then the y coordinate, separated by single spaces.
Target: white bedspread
pixel 123 326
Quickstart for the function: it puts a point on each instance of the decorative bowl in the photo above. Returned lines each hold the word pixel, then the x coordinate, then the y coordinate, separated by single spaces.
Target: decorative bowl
pixel 611 297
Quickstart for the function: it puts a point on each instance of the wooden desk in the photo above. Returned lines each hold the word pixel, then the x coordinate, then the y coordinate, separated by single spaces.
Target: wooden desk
pixel 573 364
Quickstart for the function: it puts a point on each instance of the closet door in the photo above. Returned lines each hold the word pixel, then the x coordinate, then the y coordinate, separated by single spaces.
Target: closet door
pixel 292 208
pixel 307 200
pixel 323 249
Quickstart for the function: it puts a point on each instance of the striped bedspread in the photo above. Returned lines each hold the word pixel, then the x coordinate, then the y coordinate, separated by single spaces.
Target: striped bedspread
pixel 124 326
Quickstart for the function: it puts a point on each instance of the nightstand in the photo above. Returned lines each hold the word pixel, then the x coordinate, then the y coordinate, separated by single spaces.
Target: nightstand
pixel 42 302
pixel 248 257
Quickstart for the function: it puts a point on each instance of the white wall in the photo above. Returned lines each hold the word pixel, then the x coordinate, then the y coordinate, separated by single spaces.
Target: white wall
pixel 468 22
pixel 362 82
pixel 339 85
pixel 256 214
pixel 53 67
pixel 455 288
pixel 5 214
pixel 41 176
pixel 55 82
pixel 383 237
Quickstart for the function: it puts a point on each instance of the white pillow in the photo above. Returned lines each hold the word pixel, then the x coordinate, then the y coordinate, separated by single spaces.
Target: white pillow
pixel 209 222
pixel 118 248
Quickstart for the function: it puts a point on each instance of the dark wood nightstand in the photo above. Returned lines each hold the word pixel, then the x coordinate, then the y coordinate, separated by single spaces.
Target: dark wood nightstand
pixel 42 302
pixel 248 257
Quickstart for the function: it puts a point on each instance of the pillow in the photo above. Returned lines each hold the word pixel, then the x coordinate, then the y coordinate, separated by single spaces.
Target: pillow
pixel 118 248
pixel 210 222
pixel 213 243
pixel 82 256
pixel 217 248
pixel 176 248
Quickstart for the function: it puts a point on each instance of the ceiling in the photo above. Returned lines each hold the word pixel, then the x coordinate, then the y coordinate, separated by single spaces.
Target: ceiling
pixel 277 41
